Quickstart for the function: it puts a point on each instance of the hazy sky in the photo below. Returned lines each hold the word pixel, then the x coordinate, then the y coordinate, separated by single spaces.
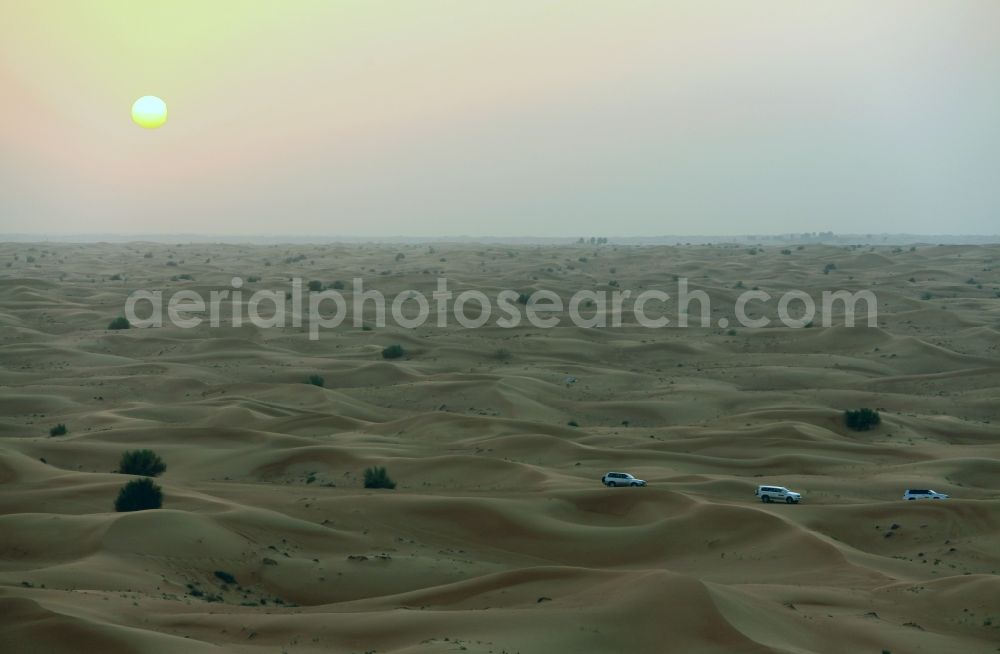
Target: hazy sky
pixel 489 117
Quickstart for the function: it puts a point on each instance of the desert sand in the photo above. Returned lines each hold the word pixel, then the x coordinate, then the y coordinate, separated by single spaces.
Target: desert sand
pixel 499 537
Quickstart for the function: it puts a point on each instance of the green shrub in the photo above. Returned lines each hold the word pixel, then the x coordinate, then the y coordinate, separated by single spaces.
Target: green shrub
pixel 315 285
pixel 393 351
pixel 225 577
pixel 339 285
pixel 139 495
pixel 503 354
pixel 377 477
pixel 862 419
pixel 117 277
pixel 58 430
pixel 141 462
pixel 253 278
pixel 316 380
pixel 121 322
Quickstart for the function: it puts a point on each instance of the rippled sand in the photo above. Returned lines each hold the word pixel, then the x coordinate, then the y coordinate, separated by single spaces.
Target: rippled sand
pixel 499 536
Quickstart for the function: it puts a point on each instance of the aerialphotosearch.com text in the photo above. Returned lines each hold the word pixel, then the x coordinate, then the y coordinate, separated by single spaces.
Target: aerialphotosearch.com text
pixel 328 308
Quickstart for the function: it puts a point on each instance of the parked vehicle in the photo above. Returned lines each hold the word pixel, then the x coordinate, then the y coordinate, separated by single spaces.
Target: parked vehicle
pixel 777 494
pixel 923 494
pixel 621 479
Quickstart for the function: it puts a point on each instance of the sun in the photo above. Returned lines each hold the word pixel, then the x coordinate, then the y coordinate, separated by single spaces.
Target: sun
pixel 149 111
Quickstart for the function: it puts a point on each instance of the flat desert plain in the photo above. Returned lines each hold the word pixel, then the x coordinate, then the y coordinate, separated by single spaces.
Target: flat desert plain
pixel 499 536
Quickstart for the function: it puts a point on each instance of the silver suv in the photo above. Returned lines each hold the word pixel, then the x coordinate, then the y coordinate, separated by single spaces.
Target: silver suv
pixel 923 494
pixel 621 479
pixel 777 494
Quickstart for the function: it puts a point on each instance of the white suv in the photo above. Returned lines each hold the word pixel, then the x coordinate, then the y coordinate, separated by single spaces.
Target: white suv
pixel 777 494
pixel 621 479
pixel 923 494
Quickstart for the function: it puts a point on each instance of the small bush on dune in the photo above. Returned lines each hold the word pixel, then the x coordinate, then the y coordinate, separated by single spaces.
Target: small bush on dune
pixel 315 286
pixel 139 495
pixel 225 576
pixel 141 462
pixel 58 430
pixel 121 322
pixel 316 380
pixel 862 419
pixel 503 354
pixel 377 477
pixel 393 351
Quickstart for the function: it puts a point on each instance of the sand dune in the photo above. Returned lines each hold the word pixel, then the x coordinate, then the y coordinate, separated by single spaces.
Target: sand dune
pixel 499 536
